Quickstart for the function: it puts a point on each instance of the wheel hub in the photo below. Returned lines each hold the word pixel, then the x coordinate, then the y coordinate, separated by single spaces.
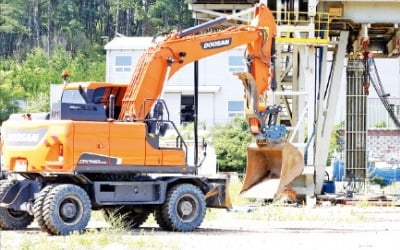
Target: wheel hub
pixel 186 208
pixel 68 210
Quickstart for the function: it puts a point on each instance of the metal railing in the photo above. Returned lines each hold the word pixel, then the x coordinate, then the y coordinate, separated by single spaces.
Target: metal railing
pixel 299 28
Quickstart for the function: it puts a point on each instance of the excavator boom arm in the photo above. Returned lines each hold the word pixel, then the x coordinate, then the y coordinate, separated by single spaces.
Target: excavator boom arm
pixel 165 58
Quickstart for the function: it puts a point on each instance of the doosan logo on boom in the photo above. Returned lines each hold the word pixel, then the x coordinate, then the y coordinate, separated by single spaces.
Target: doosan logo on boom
pixel 216 43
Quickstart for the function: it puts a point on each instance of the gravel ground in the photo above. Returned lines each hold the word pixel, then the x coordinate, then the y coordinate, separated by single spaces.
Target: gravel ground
pixel 271 227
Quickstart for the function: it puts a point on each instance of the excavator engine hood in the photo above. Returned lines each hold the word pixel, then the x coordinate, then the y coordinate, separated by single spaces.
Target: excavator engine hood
pixel 270 169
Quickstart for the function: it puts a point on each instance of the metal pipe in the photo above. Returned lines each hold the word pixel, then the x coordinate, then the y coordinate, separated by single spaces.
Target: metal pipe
pixel 212 23
pixel 274 83
pixel 300 121
pixel 196 110
pixel 111 109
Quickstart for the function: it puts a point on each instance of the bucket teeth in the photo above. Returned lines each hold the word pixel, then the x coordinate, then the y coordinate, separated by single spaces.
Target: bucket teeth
pixel 270 168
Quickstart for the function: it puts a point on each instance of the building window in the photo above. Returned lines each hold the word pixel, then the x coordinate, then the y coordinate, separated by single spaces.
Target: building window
pixel 187 109
pixel 236 64
pixel 235 108
pixel 123 63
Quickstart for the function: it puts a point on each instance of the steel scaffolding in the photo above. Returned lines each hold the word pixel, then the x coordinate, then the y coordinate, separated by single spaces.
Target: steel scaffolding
pixel 356 120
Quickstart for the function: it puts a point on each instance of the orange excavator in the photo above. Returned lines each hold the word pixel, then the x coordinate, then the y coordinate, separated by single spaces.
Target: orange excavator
pixel 105 153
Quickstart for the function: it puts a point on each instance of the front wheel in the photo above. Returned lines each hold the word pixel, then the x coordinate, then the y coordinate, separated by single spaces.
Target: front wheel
pixel 66 209
pixel 184 208
pixel 11 219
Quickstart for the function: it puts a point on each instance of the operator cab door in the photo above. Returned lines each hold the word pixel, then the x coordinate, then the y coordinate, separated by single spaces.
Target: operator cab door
pixel 91 144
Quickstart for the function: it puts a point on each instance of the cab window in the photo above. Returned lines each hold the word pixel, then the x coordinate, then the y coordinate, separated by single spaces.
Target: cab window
pixel 98 96
pixel 72 96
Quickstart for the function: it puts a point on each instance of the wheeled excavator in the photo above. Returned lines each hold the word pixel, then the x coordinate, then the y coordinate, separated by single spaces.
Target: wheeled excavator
pixel 104 151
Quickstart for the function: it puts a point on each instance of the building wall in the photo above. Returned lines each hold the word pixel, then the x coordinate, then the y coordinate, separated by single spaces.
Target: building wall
pixel 384 144
pixel 215 71
pixel 173 101
pixel 207 108
pixel 111 74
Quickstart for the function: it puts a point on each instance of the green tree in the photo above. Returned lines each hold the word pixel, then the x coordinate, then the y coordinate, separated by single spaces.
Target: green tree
pixel 40 38
pixel 9 97
pixel 30 79
pixel 335 142
pixel 37 103
pixel 12 27
pixel 77 25
pixel 381 124
pixel 230 142
pixel 167 15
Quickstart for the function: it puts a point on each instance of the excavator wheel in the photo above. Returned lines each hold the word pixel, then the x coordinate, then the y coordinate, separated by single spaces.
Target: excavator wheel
pixel 184 209
pixel 161 220
pixel 129 217
pixel 38 207
pixel 9 218
pixel 270 169
pixel 66 209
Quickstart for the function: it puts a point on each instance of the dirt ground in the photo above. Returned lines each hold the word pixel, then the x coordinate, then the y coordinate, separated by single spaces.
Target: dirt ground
pixel 270 227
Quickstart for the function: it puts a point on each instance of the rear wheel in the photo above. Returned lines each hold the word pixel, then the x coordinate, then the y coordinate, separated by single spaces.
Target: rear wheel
pixel 10 218
pixel 66 209
pixel 128 217
pixel 38 207
pixel 161 220
pixel 184 208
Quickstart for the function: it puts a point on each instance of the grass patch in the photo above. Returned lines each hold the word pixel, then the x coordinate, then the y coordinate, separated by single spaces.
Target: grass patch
pixel 234 190
pixel 116 237
pixel 94 239
pixel 278 212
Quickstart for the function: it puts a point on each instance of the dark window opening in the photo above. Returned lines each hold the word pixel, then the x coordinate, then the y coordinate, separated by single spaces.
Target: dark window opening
pixel 187 109
pixel 102 95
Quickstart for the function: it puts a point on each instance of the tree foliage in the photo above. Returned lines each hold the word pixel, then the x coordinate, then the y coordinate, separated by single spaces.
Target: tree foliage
pixel 40 38
pixel 381 124
pixel 76 25
pixel 230 142
pixel 29 81
pixel 336 141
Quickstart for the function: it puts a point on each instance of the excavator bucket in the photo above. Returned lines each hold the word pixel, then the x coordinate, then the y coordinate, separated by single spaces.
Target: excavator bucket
pixel 270 169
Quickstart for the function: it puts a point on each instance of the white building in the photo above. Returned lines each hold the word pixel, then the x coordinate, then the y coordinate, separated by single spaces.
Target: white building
pixel 220 92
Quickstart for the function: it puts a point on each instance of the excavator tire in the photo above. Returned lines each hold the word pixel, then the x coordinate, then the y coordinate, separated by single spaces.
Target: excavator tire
pixel 66 209
pixel 184 208
pixel 161 220
pixel 270 169
pixel 9 218
pixel 38 207
pixel 129 217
